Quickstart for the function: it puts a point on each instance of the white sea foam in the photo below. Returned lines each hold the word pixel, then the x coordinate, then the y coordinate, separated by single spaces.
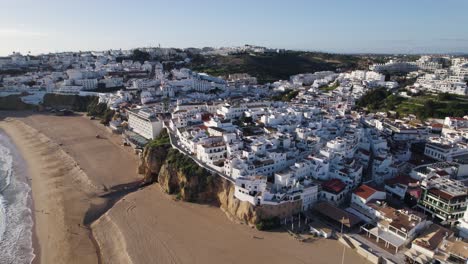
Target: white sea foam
pixel 2 218
pixel 6 166
pixel 15 214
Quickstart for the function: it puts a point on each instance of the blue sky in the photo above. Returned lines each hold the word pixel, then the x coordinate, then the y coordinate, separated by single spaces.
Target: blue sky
pixel 346 26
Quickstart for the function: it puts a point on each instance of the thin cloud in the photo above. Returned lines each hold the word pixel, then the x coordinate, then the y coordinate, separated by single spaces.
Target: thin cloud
pixel 13 32
pixel 454 39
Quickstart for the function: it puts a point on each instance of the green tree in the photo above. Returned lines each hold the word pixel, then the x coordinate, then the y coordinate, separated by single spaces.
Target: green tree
pixel 140 56
pixel 445 96
pixel 373 99
pixel 427 110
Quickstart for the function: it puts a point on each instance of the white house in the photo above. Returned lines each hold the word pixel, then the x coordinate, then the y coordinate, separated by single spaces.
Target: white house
pixel 211 150
pixel 363 196
pixel 333 191
pixel 249 189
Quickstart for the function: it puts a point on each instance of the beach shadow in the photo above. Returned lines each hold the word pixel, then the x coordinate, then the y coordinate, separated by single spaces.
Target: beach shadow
pixel 111 196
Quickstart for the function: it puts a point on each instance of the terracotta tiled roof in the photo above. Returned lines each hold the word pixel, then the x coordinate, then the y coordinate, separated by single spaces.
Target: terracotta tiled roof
pixel 337 214
pixel 334 185
pixel 401 179
pixel 364 191
pixel 441 193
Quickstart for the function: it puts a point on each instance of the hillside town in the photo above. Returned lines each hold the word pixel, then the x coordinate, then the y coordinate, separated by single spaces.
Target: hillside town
pixel 391 185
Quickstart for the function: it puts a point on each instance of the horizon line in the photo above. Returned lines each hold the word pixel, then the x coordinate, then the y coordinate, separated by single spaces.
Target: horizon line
pixel 460 53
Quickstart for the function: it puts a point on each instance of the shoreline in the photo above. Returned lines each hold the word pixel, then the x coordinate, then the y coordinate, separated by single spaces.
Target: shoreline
pixel 55 233
pixel 20 173
pixel 64 200
pixel 35 239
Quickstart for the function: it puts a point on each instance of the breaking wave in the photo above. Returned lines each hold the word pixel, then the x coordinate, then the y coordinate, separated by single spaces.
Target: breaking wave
pixel 16 220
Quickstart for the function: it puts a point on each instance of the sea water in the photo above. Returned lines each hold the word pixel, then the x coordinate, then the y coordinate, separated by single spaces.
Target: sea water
pixel 16 220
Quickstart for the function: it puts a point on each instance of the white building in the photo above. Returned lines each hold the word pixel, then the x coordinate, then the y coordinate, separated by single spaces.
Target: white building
pixel 333 191
pixel 362 198
pixel 144 123
pixel 445 149
pixel 437 245
pixel 463 225
pixel 456 122
pixel 211 150
pixel 249 189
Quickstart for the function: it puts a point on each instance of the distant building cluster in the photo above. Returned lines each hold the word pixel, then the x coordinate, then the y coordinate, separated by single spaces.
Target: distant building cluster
pixel 431 73
pixel 399 181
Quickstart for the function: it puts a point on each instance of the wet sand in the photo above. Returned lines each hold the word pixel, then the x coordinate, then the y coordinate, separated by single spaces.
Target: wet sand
pixel 71 170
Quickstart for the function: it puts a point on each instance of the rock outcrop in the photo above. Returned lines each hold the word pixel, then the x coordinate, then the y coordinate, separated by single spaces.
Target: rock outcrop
pixel 179 175
pixel 151 162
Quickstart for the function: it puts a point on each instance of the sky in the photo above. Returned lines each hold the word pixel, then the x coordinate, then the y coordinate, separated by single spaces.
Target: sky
pixel 339 26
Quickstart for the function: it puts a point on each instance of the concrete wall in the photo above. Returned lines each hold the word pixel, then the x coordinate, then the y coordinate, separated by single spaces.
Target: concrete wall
pixel 368 255
pixel 363 252
pixel 281 210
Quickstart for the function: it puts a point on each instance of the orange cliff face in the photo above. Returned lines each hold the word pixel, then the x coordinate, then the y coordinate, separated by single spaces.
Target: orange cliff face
pixel 179 175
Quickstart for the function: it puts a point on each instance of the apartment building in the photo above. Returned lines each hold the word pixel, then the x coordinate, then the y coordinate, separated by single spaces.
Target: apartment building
pixel 396 227
pixel 211 150
pixel 144 122
pixel 444 199
pixel 445 149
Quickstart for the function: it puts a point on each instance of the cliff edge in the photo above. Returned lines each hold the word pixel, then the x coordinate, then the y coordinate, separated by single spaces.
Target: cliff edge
pixel 179 175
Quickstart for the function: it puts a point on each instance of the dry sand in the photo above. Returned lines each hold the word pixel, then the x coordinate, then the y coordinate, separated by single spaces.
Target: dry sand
pixel 151 227
pixel 147 226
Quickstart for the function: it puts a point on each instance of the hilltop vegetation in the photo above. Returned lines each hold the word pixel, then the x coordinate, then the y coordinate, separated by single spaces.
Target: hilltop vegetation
pixel 422 105
pixel 285 96
pixel 162 140
pixel 328 88
pixel 72 102
pixel 274 66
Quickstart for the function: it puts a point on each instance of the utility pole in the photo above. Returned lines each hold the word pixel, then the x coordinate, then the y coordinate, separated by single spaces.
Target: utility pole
pixel 344 248
pixel 299 221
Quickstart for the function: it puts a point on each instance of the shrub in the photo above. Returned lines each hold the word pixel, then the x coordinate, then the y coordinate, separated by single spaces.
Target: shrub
pixel 73 102
pixel 373 99
pixel 285 96
pixel 268 224
pixel 161 140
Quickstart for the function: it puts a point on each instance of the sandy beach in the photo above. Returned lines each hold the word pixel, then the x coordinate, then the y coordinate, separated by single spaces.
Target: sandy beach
pixel 61 195
pixel 151 227
pixel 69 168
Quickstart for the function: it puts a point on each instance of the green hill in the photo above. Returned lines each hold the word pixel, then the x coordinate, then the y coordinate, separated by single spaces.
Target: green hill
pixel 275 66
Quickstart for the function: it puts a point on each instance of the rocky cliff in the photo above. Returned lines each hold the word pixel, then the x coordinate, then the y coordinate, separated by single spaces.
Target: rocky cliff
pixel 179 175
pixel 13 102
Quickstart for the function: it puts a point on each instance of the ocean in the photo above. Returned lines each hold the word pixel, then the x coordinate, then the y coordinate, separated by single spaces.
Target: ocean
pixel 16 220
